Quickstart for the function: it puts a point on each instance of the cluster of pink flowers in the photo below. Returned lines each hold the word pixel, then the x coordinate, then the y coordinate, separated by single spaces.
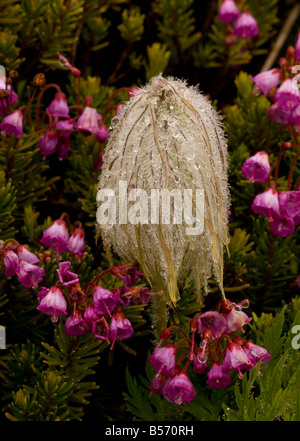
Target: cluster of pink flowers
pixel 243 25
pixel 282 208
pixel 280 86
pixel 19 261
pixel 103 312
pixel 215 329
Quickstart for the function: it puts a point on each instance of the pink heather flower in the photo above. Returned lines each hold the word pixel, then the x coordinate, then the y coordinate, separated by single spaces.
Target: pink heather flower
pixel 235 358
pixel 179 389
pixel 141 294
pixel 129 273
pixel 199 364
pixel 24 254
pixel 256 353
pixel 217 377
pixel 101 330
pixel 53 303
pixel 11 263
pixel 280 114
pixel 120 327
pixel 295 116
pixel 90 315
pixel 59 107
pixel 12 124
pixel 257 168
pixel 65 276
pixel 76 242
pixel 123 294
pixel 228 11
pixel 213 321
pixel 158 384
pixel 266 203
pixel 56 237
pixel 102 133
pixel 163 360
pixel 265 81
pixel 236 319
pixel 30 275
pixel 289 203
pixel 75 324
pixel 105 301
pixel 12 97
pixel 63 148
pixel 297 47
pixel 288 94
pixel 88 120
pixel 65 127
pixel 48 143
pixel 245 26
pixel 282 225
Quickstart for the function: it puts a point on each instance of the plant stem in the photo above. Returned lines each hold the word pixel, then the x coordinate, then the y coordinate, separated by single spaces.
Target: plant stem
pixel 159 316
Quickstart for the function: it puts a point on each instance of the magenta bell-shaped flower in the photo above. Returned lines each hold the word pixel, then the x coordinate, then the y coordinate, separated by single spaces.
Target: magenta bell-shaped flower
pixel 213 321
pixel 11 263
pixel 129 273
pixel 105 301
pixel 256 353
pixel 59 107
pixel 217 378
pixel 245 26
pixel 236 319
pixel 257 168
pixel 12 124
pixel 24 254
pixel 235 358
pixel 289 203
pixel 282 225
pixel 88 120
pixel 30 275
pixel 53 303
pixel 120 327
pixel 179 389
pixel 288 94
pixel 75 324
pixel 65 276
pixel 280 114
pixel 228 11
pixel 267 80
pixel 163 360
pixel 76 242
pixel 48 143
pixel 64 127
pixel 100 329
pixel 90 315
pixel 266 203
pixel 56 237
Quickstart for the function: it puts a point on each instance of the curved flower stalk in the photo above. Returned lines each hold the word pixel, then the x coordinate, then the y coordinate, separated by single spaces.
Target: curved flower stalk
pixel 166 140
